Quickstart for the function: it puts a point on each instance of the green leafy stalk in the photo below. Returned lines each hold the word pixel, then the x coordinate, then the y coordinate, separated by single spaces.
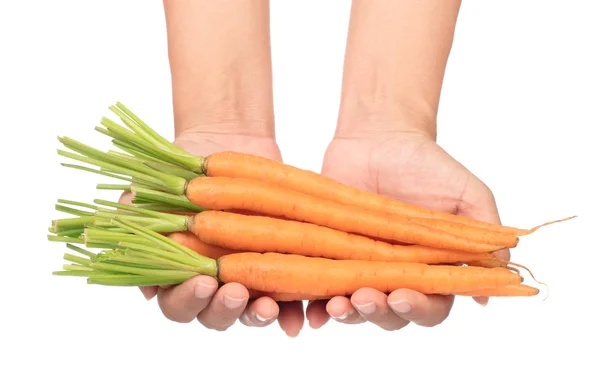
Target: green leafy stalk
pixel 174 170
pixel 137 280
pixel 159 154
pixel 109 237
pixel 60 225
pixel 208 266
pixel 179 221
pixel 150 195
pixel 105 186
pixel 147 129
pixel 76 259
pixel 168 181
pixel 81 250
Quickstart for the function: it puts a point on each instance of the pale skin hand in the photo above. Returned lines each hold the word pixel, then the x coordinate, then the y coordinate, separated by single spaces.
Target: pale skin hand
pixel 219 53
pixel 385 141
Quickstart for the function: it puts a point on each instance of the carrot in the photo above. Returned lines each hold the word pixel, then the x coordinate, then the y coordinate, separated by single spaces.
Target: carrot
pixel 241 165
pixel 189 240
pixel 253 233
pixel 515 290
pixel 273 272
pixel 223 193
pixel 396 253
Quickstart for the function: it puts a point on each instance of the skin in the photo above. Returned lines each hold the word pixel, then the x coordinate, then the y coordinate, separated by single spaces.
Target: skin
pixel 385 140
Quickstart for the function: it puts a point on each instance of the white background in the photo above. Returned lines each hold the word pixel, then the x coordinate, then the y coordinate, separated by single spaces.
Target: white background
pixel 519 108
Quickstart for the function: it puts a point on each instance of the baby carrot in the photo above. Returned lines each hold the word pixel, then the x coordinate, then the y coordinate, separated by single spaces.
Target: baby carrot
pixel 273 272
pixel 411 253
pixel 223 193
pixel 189 240
pixel 515 290
pixel 241 165
pixel 263 234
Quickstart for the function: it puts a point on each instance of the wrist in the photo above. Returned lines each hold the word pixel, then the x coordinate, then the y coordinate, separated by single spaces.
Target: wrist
pixel 361 118
pixel 226 120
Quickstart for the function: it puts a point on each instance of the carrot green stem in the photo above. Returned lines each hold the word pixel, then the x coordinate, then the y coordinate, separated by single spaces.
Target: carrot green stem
pixel 173 170
pixel 71 233
pixel 77 204
pixel 76 259
pixel 136 280
pixel 60 225
pixel 72 211
pixel 104 186
pixel 65 239
pixel 207 266
pixel 81 251
pixel 179 221
pixel 150 195
pixel 135 141
pixel 84 273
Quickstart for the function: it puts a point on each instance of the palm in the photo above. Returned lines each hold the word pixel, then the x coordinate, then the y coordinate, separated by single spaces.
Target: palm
pixel 414 169
pixel 409 168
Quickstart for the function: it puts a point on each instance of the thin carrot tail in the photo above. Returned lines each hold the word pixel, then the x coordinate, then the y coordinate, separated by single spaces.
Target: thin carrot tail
pixel 499 262
pixel 524 232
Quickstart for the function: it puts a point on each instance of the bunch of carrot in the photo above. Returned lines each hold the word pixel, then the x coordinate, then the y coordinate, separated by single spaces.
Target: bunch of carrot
pixel 279 230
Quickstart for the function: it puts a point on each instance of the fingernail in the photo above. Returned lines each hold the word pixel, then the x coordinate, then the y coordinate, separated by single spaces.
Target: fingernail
pixel 367 308
pixel 233 303
pixel 343 316
pixel 203 290
pixel 401 306
pixel 263 319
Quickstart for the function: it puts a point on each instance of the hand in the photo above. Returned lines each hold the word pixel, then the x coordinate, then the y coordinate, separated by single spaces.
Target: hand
pixel 411 167
pixel 198 297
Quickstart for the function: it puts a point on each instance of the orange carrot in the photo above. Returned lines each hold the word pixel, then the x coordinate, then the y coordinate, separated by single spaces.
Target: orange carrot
pixel 241 165
pixel 389 253
pixel 314 277
pixel 515 290
pixel 189 240
pixel 266 234
pixel 230 193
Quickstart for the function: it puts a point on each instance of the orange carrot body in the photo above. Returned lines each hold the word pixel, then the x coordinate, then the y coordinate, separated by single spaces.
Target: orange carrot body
pixel 246 233
pixel 386 252
pixel 189 240
pixel 234 164
pixel 516 290
pixel 224 193
pixel 295 274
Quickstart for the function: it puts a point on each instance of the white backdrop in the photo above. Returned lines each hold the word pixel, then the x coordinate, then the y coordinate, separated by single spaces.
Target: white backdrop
pixel 518 108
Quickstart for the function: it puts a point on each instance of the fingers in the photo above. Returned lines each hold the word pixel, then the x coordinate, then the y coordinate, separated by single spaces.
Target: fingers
pixel 183 302
pixel 372 305
pixel 149 292
pixel 291 317
pixel 391 312
pixel 316 314
pixel 341 309
pixel 260 312
pixel 423 310
pixel 225 308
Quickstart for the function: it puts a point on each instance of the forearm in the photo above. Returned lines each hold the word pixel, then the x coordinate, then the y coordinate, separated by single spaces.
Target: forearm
pixel 220 59
pixel 395 61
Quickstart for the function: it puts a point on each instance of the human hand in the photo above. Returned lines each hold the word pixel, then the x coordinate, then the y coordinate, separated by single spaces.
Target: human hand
pixel 408 166
pixel 199 298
